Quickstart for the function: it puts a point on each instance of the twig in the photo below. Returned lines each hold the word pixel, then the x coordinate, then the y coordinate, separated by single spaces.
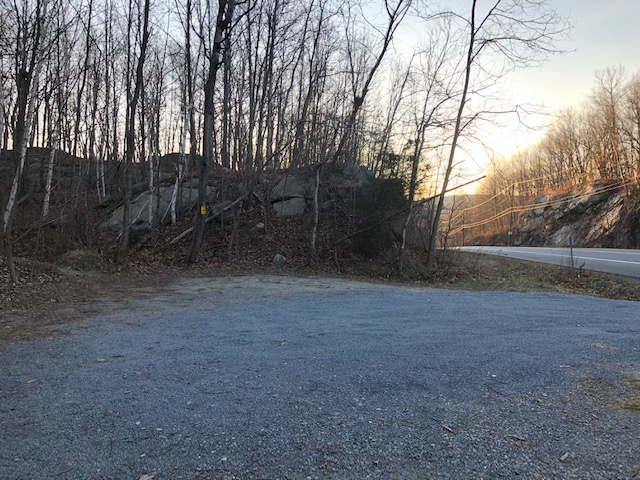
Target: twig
pixel 213 216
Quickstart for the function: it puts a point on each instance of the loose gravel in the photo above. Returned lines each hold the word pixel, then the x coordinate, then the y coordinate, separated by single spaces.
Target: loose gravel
pixel 292 378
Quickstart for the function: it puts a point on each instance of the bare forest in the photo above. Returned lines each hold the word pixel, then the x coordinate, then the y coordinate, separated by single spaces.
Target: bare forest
pixel 595 146
pixel 102 101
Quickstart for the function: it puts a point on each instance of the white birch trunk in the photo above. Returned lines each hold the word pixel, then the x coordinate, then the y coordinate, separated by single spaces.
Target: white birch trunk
pixel 28 121
pixel 23 149
pixel 100 183
pixel 150 193
pixel 52 159
pixel 2 111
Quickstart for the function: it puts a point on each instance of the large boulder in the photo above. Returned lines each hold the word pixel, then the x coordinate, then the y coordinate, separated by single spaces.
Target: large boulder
pixel 290 207
pixel 289 187
pixel 361 174
pixel 140 208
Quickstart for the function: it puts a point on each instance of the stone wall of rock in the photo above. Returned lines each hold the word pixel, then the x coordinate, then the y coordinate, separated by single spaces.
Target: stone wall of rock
pixel 601 215
pixel 161 204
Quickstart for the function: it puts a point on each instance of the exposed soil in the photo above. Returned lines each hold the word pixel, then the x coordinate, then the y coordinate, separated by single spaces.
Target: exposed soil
pixel 52 293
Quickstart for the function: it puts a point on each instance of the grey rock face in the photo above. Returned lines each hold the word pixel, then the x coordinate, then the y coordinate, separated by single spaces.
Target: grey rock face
pixel 596 217
pixel 140 208
pixel 289 187
pixel 292 206
pixel 541 201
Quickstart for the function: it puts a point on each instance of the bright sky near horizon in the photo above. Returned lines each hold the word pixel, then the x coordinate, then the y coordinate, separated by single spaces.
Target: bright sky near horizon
pixel 606 33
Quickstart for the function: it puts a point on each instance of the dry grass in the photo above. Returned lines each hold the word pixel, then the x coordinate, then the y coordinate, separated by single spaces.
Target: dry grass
pixel 468 271
pixel 632 380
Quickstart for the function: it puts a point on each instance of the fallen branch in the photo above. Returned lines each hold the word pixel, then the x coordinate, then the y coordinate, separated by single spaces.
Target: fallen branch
pixel 213 216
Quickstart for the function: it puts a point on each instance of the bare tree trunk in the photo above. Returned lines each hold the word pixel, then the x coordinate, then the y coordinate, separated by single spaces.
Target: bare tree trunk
pixel 433 235
pixel 150 143
pixel 225 152
pixel 49 179
pixel 273 25
pixel 223 20
pixel 26 103
pixel 316 210
pixel 181 164
pixel 412 192
pixel 130 136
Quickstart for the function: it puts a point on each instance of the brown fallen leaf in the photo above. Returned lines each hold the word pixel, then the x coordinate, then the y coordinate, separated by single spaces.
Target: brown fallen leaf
pixel 517 438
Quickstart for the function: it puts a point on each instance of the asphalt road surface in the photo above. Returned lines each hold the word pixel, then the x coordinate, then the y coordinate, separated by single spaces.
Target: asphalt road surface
pixel 607 260
pixel 286 378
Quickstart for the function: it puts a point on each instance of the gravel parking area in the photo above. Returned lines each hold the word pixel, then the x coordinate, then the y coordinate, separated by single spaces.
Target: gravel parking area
pixel 294 378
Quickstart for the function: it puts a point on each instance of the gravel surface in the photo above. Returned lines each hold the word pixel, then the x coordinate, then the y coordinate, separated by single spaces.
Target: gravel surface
pixel 277 377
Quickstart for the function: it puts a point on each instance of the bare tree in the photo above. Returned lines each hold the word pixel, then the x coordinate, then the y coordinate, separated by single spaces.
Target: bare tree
pixel 132 104
pixel 608 99
pixel 633 121
pixel 223 21
pixel 435 89
pixel 30 44
pixel 520 33
pixel 395 14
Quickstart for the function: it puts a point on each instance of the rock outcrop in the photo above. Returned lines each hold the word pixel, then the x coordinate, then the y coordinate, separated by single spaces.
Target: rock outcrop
pixel 140 208
pixel 601 215
pixel 289 196
pixel 293 194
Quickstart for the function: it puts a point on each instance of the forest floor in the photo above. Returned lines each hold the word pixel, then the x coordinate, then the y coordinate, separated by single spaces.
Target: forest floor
pixel 52 293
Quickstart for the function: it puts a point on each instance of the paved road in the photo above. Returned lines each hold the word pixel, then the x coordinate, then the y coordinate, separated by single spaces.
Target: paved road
pixel 607 260
pixel 310 378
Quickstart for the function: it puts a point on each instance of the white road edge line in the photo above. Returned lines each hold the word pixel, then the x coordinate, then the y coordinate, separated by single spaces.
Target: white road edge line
pixel 566 255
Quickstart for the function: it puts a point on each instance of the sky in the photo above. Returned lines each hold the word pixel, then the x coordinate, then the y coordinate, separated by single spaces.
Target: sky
pixel 606 33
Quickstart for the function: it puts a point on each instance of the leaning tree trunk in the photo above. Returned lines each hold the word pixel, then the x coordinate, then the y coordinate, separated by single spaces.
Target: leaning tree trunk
pixel 454 143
